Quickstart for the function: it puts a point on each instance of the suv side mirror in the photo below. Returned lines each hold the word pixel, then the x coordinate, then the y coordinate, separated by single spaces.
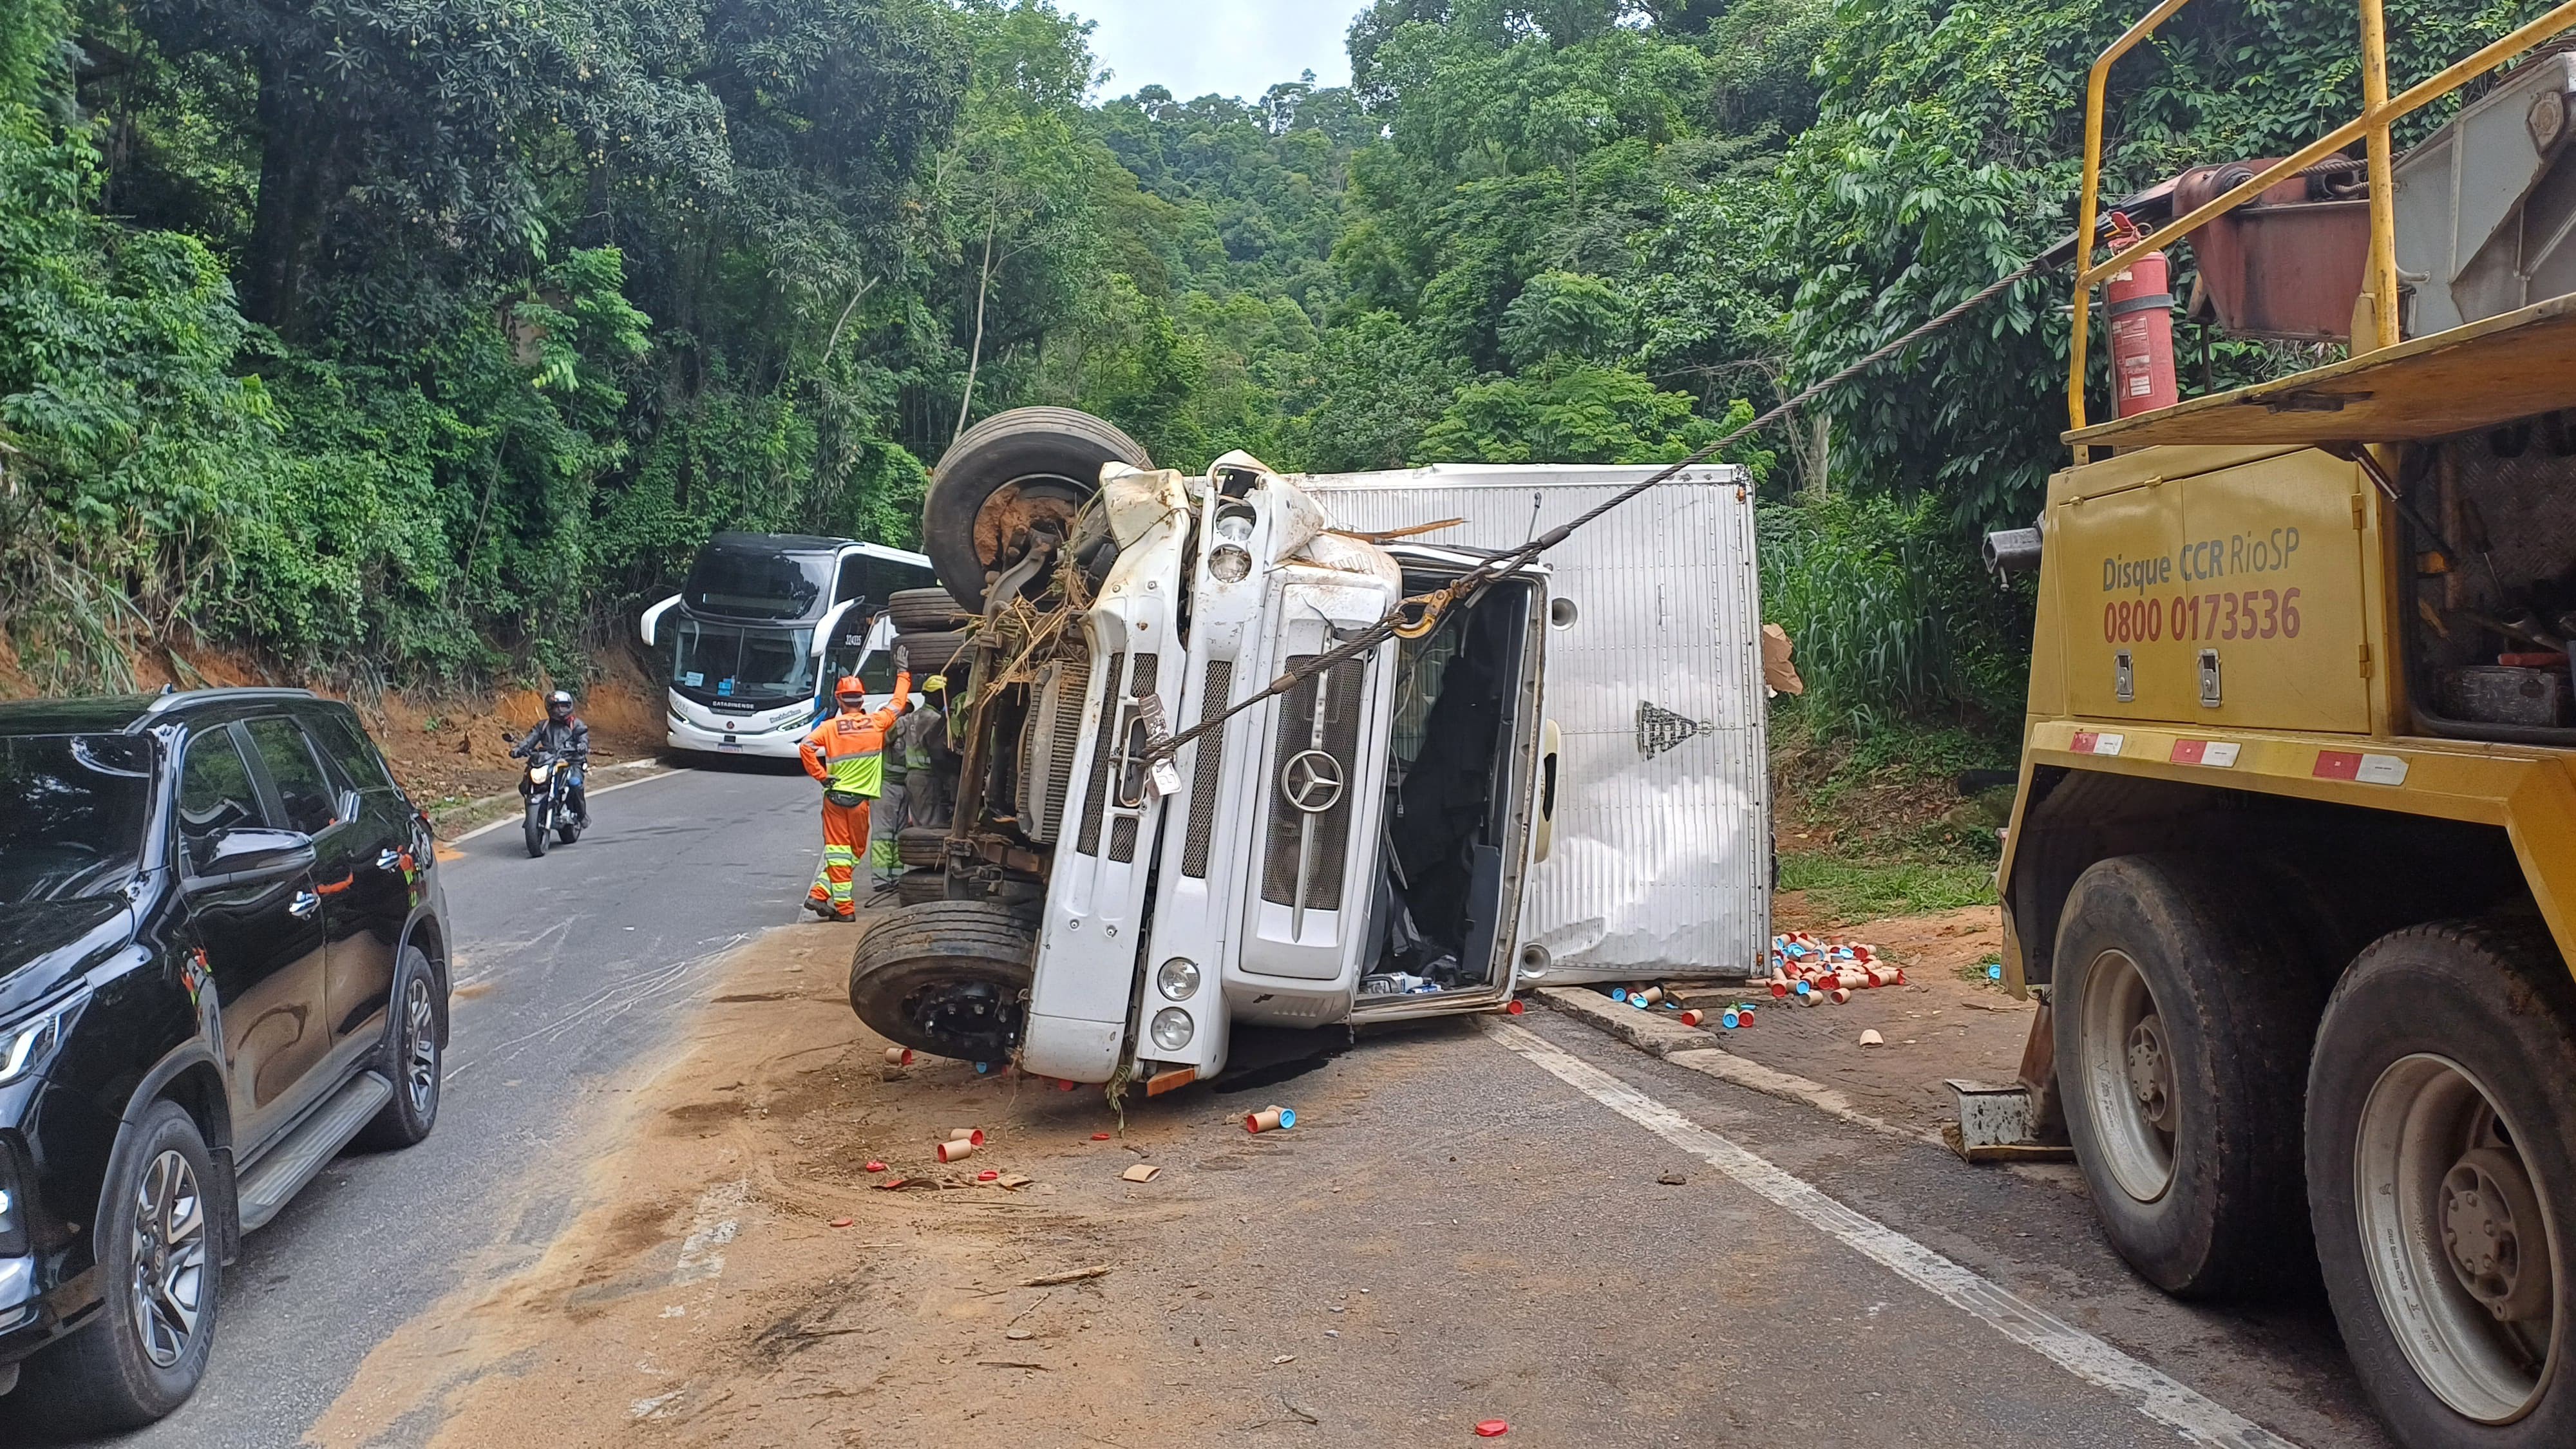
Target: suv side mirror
pixel 248 850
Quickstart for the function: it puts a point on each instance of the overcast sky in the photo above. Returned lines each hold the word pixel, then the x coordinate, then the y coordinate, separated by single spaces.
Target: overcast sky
pixel 1231 47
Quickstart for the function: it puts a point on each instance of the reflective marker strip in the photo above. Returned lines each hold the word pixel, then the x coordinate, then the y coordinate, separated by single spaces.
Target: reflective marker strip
pixel 2150 1392
pixel 2216 754
pixel 2091 742
pixel 2367 769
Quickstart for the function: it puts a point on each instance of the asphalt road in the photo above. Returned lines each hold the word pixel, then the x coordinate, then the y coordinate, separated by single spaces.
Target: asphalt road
pixel 1806 1283
pixel 572 970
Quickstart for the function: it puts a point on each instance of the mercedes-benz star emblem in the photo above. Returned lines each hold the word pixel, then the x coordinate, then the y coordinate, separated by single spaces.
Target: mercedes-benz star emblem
pixel 1312 782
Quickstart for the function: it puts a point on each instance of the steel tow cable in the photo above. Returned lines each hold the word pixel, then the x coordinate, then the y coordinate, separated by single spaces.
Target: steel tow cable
pixel 1433 603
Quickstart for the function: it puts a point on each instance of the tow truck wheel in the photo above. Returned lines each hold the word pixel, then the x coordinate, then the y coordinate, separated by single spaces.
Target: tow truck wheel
pixel 1014 472
pixel 925 611
pixel 949 978
pixel 2183 1009
pixel 2441 1158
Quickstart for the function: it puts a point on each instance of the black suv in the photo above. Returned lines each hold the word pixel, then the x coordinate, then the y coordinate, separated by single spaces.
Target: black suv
pixel 223 957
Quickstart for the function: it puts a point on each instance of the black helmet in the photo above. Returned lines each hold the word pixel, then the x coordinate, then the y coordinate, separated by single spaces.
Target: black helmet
pixel 559 706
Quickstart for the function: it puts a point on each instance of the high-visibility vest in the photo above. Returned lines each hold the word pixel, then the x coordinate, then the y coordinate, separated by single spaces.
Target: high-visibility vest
pixel 847 751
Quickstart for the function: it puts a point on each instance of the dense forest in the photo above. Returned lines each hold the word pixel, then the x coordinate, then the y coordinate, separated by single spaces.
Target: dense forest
pixel 416 341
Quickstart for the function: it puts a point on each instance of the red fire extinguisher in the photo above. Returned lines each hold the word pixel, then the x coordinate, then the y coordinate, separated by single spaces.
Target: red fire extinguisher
pixel 2140 301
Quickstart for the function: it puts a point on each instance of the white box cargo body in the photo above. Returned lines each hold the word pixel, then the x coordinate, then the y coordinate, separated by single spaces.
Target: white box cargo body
pixel 1661 860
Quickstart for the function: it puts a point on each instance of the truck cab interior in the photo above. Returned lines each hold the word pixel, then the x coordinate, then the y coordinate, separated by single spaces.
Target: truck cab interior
pixel 2493 550
pixel 1465 712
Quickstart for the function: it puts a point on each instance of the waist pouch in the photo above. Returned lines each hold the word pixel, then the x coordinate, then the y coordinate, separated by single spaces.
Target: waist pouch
pixel 846 799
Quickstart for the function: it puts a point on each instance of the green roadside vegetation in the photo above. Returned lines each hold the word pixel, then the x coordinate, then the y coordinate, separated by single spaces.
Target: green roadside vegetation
pixel 418 344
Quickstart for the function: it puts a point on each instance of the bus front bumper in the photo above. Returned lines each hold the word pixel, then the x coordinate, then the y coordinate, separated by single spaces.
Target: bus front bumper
pixel 762 744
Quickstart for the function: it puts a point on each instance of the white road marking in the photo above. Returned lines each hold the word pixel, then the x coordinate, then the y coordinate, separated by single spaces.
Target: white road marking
pixel 602 790
pixel 2148 1390
pixel 712 1227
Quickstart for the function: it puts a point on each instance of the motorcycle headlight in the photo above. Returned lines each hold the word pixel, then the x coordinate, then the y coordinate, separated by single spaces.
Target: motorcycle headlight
pixel 1172 1029
pixel 538 773
pixel 1178 980
pixel 24 1045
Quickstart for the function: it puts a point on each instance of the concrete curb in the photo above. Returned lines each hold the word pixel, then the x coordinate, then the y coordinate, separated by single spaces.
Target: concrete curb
pixel 1699 1051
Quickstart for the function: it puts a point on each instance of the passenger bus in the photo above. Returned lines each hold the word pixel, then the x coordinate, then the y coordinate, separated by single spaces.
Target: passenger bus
pixel 764 625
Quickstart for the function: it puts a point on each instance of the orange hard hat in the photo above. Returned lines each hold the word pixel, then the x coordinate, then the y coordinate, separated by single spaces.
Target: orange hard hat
pixel 850 687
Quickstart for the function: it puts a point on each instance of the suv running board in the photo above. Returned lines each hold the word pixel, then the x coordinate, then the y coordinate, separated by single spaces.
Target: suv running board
pixel 309 1148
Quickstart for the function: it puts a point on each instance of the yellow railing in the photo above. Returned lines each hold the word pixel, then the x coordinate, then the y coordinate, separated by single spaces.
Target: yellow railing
pixel 2379 111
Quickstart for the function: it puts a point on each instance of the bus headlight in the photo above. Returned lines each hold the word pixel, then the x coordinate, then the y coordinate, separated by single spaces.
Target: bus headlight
pixel 1178 980
pixel 1172 1029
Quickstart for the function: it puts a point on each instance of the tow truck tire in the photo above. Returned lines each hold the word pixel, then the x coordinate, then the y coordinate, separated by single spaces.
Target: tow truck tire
pixel 916 845
pixel 914 887
pixel 1049 461
pixel 928 654
pixel 949 978
pixel 2183 1010
pixel 2441 1161
pixel 925 611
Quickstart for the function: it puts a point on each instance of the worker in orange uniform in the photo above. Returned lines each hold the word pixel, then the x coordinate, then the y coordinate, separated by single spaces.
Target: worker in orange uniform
pixel 847 754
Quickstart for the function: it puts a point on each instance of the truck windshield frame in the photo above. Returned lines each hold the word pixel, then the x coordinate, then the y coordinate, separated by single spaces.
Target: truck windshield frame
pixel 743 666
pixel 80 807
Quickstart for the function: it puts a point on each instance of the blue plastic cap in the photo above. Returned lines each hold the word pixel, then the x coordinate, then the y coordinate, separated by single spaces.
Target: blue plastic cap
pixel 1287 1116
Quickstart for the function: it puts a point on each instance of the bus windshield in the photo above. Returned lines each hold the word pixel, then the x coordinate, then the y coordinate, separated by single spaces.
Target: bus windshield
pixel 742 579
pixel 745 665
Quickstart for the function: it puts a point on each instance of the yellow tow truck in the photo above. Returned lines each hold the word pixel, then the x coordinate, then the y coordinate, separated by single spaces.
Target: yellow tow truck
pixel 2293 865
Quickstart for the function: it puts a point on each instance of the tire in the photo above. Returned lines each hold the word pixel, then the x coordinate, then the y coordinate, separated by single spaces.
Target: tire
pixel 415 1058
pixel 104 1377
pixel 2183 1009
pixel 2447 1060
pixel 534 828
pixel 918 847
pixel 925 611
pixel 915 887
pixel 946 977
pixel 1048 459
pixel 928 654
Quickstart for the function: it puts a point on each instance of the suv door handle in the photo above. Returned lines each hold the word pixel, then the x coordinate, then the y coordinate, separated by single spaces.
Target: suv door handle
pixel 304 905
pixel 389 859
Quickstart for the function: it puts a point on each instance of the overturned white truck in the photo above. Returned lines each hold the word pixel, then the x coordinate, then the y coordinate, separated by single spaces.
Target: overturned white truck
pixel 1104 903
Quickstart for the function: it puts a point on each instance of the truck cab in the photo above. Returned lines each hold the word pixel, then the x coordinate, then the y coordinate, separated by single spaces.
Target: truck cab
pixel 1342 839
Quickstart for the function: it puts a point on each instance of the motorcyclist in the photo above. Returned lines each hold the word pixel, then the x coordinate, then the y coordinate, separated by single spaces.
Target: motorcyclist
pixel 563 735
pixel 846 755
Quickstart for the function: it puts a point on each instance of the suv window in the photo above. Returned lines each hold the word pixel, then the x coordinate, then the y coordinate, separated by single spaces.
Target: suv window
pixel 352 751
pixel 302 788
pixel 215 793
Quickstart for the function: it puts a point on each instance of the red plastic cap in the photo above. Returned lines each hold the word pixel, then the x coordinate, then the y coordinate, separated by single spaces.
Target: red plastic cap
pixel 876 1167
pixel 1514 1009
pixel 1492 1429
pixel 1099 1136
pixel 988 1175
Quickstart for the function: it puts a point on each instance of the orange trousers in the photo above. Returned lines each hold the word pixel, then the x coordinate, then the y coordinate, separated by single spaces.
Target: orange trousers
pixel 845 836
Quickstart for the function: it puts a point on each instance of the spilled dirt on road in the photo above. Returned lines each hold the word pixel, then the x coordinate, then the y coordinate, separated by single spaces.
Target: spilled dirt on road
pixel 705 1297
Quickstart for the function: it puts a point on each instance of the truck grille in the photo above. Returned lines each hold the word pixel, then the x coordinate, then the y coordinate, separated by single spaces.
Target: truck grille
pixel 1097 795
pixel 1214 691
pixel 1322 712
pixel 1122 838
pixel 1052 740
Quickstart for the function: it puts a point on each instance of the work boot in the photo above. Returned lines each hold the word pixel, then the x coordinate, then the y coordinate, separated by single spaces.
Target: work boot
pixel 820 905
pixel 846 915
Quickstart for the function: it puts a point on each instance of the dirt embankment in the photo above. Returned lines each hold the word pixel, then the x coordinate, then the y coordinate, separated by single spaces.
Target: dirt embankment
pixel 443 748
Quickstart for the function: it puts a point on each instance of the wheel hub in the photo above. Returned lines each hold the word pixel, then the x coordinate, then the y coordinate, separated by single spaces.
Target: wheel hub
pixel 972 1015
pixel 2487 1209
pixel 2151 1072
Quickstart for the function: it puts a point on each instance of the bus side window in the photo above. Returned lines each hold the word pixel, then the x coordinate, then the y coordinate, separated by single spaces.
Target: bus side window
pixel 854 580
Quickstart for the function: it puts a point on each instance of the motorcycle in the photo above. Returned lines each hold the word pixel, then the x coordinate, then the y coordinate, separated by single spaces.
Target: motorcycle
pixel 546 786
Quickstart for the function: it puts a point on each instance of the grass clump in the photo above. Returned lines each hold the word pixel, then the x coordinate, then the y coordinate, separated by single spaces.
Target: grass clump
pixel 1862 890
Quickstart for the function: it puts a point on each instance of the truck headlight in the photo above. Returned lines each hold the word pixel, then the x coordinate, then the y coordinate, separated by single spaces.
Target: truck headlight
pixel 1172 1029
pixel 1178 980
pixel 1229 563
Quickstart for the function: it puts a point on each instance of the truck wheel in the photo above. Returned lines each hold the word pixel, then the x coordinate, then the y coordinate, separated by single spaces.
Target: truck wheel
pixel 2441 1160
pixel 159 1261
pixel 916 886
pixel 1028 466
pixel 916 846
pixel 2183 1013
pixel 928 654
pixel 925 611
pixel 946 977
